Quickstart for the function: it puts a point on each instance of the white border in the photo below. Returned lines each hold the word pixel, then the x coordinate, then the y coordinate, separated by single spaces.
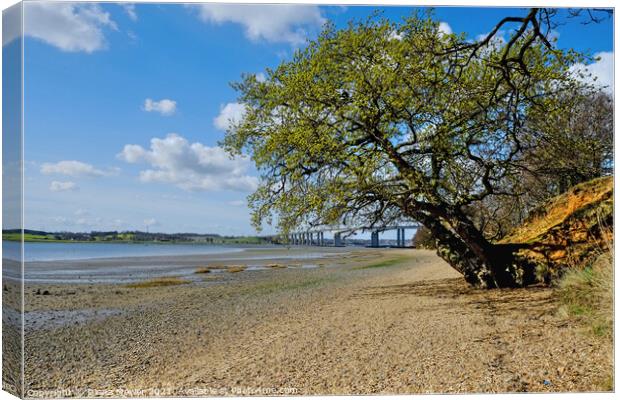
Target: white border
pixel 437 3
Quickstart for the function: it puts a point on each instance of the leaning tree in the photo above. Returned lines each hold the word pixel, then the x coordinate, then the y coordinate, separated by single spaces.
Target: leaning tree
pixel 381 121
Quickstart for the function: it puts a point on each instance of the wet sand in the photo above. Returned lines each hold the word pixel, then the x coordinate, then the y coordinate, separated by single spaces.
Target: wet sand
pixel 368 321
pixel 135 269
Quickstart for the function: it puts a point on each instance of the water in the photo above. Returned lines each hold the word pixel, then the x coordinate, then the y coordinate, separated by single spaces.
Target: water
pixel 37 251
pixel 111 263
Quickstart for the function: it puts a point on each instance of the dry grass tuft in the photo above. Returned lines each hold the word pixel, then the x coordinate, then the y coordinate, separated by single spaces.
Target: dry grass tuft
pixel 203 270
pixel 588 295
pixel 587 292
pixel 276 266
pixel 158 282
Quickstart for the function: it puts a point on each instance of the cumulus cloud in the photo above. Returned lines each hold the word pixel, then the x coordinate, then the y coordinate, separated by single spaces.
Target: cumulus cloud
pixel 68 26
pixel 271 22
pixel 75 168
pixel 599 73
pixel 229 115
pixel 57 186
pixel 190 166
pixel 165 107
pixel 445 28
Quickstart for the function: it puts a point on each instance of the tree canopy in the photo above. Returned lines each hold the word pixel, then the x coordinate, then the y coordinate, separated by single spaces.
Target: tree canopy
pixel 383 121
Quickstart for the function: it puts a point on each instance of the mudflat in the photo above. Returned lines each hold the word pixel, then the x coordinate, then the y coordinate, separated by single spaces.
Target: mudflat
pixel 360 322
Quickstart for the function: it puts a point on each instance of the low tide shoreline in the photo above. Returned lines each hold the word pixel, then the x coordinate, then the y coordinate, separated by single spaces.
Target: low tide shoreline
pixel 133 269
pixel 370 321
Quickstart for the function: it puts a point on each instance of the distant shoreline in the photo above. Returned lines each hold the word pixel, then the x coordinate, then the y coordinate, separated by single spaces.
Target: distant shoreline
pixel 33 238
pixel 189 242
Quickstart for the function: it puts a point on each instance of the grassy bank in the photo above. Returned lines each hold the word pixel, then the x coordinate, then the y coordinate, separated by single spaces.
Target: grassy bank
pixel 586 294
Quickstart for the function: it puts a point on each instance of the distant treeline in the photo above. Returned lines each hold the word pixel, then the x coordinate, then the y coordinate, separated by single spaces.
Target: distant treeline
pixel 128 236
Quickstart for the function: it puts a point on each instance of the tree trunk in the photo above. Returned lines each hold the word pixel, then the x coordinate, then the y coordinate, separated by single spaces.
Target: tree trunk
pixel 483 264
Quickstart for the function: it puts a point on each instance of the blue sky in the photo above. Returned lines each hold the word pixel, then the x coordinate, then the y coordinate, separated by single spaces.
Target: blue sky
pixel 125 104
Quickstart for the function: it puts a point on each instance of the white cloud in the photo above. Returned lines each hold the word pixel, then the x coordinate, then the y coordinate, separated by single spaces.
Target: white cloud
pixel 130 10
pixel 190 166
pixel 68 26
pixel 57 186
pixel 599 73
pixel 75 168
pixel 230 114
pixel 271 22
pixel 395 35
pixel 237 203
pixel 165 107
pixel 260 77
pixel 445 28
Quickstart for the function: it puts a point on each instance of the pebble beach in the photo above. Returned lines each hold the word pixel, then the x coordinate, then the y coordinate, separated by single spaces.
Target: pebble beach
pixel 360 321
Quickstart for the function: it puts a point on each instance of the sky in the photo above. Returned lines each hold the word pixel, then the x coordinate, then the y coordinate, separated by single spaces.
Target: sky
pixel 125 104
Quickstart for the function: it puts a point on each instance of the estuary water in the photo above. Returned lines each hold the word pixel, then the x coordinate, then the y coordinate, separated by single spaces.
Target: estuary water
pixel 41 251
pixel 56 263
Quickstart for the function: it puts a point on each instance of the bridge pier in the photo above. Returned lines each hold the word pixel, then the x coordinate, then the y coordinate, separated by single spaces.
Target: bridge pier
pixel 374 239
pixel 400 237
pixel 338 242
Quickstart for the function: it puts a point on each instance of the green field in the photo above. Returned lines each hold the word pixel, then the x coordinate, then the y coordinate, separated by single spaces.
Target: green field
pixel 28 237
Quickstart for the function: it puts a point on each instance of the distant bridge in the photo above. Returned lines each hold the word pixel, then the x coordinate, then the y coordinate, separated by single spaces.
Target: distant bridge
pixel 316 237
